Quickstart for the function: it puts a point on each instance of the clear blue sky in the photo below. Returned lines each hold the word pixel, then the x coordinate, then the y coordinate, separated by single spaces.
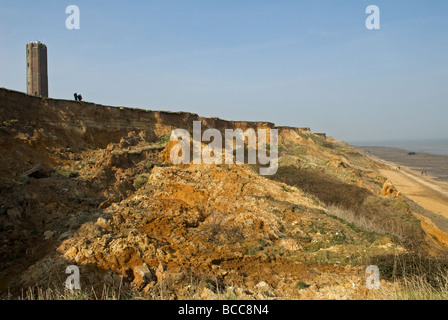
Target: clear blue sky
pixel 298 63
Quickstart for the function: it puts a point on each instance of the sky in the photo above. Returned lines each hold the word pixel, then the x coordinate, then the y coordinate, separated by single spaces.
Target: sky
pixel 294 63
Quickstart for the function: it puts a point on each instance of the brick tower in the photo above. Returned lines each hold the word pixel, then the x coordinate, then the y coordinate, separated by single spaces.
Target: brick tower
pixel 36 69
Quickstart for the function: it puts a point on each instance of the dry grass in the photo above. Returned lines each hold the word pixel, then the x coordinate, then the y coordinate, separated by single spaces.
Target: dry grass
pixel 418 277
pixel 417 288
pixel 380 224
pixel 356 205
pixel 40 293
pixel 359 221
pixel 329 190
pixel 190 287
pixel 407 288
pixel 409 276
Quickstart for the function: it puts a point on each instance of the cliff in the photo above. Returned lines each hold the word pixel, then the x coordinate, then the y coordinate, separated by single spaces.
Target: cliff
pixel 32 125
pixel 87 185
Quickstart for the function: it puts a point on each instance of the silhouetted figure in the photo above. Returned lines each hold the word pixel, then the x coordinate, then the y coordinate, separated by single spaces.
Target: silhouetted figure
pixel 76 96
pixel 79 97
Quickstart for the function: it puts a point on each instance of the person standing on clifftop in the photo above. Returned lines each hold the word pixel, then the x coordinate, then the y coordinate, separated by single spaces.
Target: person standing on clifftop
pixel 76 96
pixel 79 97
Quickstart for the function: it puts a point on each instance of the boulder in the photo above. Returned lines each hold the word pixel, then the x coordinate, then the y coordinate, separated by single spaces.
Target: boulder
pixel 264 289
pixel 160 272
pixel 142 275
pixel 48 234
pixel 388 188
pixel 315 271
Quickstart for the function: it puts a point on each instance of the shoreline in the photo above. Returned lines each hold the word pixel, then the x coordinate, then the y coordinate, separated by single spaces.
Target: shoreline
pixel 427 191
pixel 436 166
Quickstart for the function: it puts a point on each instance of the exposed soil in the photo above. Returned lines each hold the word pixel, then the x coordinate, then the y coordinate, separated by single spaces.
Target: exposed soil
pixel 91 186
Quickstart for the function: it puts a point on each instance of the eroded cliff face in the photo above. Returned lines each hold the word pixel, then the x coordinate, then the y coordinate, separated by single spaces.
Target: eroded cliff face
pixel 32 126
pixel 91 185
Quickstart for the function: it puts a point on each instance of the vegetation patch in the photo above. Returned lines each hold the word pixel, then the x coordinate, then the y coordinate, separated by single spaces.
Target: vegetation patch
pixel 65 172
pixel 163 139
pixel 140 181
pixel 356 205
pixel 302 285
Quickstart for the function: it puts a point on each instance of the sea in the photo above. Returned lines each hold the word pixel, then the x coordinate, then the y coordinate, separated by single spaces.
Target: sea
pixel 433 146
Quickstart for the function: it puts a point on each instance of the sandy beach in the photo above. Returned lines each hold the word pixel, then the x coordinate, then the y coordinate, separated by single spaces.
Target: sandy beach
pixel 404 171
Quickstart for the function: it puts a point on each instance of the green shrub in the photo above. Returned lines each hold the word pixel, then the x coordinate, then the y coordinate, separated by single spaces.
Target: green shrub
pixel 65 172
pixel 165 138
pixel 302 285
pixel 140 181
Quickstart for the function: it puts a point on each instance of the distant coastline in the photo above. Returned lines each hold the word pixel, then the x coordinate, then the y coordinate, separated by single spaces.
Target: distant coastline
pixel 433 146
pixel 436 165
